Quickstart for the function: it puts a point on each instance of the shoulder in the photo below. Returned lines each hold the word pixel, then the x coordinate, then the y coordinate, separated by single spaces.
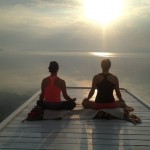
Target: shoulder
pixel 45 79
pixel 97 76
pixel 60 82
pixel 60 79
pixel 113 77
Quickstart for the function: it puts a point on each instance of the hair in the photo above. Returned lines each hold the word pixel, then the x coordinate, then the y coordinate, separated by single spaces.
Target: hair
pixel 53 67
pixel 106 64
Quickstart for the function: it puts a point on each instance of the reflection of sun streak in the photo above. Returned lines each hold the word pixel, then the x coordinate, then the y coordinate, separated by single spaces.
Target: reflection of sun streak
pixel 103 54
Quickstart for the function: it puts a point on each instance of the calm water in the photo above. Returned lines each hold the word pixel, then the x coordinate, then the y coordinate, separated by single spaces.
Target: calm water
pixel 21 73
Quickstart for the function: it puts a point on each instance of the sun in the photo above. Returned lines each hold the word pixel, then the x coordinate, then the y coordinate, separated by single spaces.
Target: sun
pixel 103 11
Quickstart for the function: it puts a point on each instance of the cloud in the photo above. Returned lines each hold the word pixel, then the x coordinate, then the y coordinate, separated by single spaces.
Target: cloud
pixel 137 8
pixel 40 13
pixel 60 24
pixel 57 3
pixel 25 16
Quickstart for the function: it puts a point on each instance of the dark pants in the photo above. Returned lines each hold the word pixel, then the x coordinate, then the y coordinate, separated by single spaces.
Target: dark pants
pixel 64 105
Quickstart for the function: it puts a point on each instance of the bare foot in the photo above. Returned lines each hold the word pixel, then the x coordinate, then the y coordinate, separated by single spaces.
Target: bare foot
pixel 129 109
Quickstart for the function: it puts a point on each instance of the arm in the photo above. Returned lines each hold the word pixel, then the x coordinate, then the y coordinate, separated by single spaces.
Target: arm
pixel 42 90
pixel 43 84
pixel 92 89
pixel 118 90
pixel 64 92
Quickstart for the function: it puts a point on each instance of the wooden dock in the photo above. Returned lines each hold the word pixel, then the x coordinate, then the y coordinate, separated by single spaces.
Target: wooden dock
pixel 76 133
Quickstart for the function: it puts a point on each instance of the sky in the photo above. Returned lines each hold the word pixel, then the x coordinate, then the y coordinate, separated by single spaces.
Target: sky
pixel 63 25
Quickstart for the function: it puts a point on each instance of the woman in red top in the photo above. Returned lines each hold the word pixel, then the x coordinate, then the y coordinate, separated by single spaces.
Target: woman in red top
pixel 51 89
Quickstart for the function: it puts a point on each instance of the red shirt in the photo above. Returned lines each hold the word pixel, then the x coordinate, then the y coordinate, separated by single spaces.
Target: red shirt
pixel 52 92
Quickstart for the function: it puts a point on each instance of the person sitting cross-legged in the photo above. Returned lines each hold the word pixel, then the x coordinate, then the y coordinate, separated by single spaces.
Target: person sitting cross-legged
pixel 106 83
pixel 51 88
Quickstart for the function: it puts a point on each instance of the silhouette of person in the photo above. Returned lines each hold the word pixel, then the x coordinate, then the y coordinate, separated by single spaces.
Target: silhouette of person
pixel 51 89
pixel 105 83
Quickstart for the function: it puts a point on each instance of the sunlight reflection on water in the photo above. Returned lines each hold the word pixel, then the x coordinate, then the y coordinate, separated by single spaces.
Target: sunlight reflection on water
pixel 104 54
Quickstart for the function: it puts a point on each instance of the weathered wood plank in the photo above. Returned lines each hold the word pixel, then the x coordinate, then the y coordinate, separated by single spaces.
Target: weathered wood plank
pixel 76 122
pixel 86 145
pixel 15 135
pixel 72 146
pixel 94 131
pixel 80 140
pixel 84 121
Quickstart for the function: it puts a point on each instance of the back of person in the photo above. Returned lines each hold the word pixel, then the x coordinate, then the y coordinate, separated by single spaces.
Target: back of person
pixel 105 89
pixel 52 91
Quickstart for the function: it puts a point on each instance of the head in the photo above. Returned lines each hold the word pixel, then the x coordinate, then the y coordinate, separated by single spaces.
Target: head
pixel 105 64
pixel 53 67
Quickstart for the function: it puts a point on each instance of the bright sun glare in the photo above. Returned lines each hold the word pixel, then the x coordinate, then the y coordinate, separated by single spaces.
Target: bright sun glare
pixel 104 54
pixel 103 11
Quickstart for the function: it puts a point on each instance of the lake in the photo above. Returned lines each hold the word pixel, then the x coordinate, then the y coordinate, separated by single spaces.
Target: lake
pixel 21 72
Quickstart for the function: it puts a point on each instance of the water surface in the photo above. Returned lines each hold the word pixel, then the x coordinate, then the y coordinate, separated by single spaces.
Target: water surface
pixel 21 73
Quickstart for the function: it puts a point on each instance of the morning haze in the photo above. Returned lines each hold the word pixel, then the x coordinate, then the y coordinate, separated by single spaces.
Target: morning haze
pixel 63 25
